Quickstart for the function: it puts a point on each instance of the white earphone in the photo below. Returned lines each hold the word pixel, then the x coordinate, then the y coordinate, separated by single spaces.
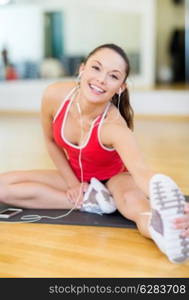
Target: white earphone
pixel 80 74
pixel 78 107
pixel 120 91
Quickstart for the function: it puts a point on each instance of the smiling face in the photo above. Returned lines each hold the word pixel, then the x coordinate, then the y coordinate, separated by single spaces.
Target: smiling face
pixel 103 75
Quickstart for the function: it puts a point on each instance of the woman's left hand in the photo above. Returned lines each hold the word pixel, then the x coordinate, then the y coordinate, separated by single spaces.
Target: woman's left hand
pixel 75 194
pixel 183 222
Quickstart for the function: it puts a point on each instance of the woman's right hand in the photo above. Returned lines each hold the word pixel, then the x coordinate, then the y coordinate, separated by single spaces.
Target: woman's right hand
pixel 75 194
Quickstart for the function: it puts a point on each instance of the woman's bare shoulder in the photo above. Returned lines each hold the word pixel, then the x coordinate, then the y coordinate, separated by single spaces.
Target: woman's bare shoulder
pixel 55 93
pixel 114 117
pixel 59 90
pixel 113 124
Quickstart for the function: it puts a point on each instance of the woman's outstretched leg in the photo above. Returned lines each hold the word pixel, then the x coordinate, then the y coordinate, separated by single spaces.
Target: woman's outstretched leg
pixel 154 217
pixel 131 202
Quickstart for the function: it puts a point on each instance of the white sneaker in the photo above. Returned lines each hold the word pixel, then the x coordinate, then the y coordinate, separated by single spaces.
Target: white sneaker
pixel 167 203
pixel 98 199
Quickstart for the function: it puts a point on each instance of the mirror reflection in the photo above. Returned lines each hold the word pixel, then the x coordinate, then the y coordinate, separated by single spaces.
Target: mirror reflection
pixel 49 39
pixel 39 43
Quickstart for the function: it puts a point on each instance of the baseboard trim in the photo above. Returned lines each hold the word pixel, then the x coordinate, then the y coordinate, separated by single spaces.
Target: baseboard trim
pixel 162 117
pixel 34 113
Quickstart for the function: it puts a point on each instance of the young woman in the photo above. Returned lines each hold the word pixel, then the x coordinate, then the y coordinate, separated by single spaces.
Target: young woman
pixel 88 129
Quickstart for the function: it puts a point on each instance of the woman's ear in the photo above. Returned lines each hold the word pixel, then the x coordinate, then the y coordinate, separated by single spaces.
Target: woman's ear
pixel 81 69
pixel 122 88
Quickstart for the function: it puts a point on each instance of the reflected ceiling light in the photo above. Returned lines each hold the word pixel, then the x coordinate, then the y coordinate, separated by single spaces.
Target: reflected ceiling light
pixel 4 2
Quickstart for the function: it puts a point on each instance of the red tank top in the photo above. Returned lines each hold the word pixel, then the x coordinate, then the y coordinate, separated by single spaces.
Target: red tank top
pixel 97 160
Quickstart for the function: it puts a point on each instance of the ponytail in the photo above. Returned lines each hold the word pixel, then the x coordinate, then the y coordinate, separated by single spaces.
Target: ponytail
pixel 124 107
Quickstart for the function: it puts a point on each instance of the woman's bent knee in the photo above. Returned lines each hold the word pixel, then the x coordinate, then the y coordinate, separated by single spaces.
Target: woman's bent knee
pixel 133 203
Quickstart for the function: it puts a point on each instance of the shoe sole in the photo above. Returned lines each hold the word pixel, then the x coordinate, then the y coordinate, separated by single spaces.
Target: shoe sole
pixel 167 199
pixel 106 201
pixel 91 205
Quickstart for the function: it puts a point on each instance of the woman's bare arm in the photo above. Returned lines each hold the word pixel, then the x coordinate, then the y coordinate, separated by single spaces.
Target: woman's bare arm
pixel 124 141
pixel 50 104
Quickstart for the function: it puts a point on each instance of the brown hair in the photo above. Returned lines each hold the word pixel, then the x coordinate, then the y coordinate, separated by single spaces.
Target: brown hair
pixel 124 105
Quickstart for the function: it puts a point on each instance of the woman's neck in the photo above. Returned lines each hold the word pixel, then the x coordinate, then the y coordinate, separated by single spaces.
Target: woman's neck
pixel 88 109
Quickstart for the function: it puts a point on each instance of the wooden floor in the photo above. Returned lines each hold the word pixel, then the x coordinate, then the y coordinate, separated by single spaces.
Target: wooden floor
pixel 41 250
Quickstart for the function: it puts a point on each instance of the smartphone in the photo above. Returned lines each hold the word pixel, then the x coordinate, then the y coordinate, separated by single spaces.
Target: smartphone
pixel 9 212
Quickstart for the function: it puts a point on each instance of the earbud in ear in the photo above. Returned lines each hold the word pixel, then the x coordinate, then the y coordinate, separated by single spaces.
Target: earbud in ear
pixel 79 77
pixel 80 74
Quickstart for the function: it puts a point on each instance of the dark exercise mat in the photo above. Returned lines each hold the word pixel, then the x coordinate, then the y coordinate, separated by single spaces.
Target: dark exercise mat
pixel 76 218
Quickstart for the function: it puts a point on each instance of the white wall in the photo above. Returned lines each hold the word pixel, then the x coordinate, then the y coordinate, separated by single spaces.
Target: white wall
pixel 161 102
pixel 27 95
